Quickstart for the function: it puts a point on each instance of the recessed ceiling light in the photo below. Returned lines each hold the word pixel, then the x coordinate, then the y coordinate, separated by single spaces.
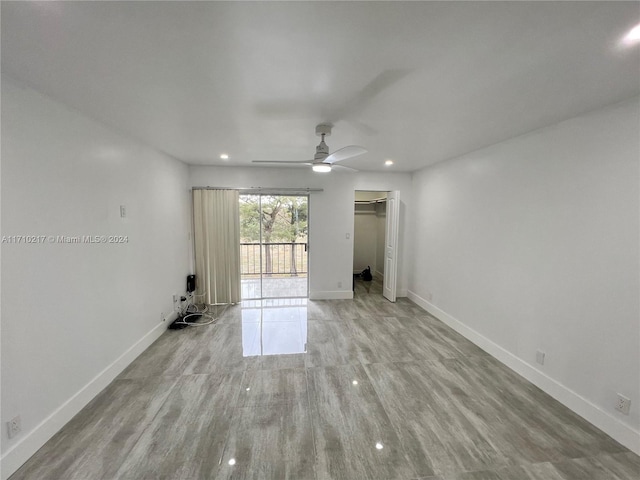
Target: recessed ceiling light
pixel 355 382
pixel 232 461
pixel 632 37
pixel 388 162
pixel 224 156
pixel 379 446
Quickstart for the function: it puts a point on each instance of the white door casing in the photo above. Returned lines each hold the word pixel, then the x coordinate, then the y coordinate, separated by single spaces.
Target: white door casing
pixel 391 246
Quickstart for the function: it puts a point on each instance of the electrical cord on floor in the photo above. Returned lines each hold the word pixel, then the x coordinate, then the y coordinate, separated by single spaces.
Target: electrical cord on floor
pixel 211 320
pixel 204 310
pixel 191 310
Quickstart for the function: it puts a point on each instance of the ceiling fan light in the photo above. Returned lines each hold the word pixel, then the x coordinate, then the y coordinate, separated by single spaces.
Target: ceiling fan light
pixel 322 168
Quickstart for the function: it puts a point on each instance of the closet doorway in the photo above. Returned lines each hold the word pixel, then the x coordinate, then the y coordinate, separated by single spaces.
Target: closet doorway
pixel 375 240
pixel 273 246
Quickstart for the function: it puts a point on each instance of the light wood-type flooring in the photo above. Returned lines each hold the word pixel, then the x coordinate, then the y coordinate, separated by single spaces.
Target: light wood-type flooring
pixel 343 389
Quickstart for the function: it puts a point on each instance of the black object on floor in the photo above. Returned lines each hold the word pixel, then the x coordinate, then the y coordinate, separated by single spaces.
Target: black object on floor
pixel 366 274
pixel 179 323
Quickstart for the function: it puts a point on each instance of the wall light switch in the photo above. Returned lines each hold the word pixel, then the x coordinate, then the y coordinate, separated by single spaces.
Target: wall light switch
pixel 348 236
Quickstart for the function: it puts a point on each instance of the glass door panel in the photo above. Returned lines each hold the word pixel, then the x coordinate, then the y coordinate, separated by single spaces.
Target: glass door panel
pixel 273 246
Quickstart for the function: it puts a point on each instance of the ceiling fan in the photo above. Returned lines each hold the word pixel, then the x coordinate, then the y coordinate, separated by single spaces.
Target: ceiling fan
pixel 323 161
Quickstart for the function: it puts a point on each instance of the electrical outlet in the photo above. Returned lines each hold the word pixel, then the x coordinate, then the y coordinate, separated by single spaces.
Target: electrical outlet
pixel 623 404
pixel 162 319
pixel 14 426
pixel 540 357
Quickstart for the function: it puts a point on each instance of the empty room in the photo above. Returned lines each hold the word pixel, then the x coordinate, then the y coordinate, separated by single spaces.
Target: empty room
pixel 320 240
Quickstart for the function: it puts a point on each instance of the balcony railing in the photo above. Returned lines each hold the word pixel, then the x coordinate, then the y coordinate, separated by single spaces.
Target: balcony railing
pixel 288 259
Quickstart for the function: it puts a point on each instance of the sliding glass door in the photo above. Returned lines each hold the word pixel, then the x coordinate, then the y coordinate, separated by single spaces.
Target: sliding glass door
pixel 273 246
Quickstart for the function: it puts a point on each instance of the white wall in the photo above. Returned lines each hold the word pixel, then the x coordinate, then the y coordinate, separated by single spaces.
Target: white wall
pixel 331 216
pixel 533 244
pixel 74 315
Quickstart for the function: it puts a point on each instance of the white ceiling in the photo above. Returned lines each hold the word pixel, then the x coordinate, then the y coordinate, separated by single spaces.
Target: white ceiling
pixel 416 82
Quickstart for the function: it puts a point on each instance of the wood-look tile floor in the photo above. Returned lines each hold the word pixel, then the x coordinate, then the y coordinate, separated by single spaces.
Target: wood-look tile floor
pixel 366 389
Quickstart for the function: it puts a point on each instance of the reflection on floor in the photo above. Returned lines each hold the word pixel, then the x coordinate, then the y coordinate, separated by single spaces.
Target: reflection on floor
pixel 274 326
pixel 383 391
pixel 273 287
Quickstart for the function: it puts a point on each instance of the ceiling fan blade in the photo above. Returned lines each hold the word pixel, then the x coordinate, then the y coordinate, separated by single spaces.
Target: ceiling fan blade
pixel 287 107
pixel 294 162
pixel 344 153
pixel 342 168
pixel 363 127
pixel 350 108
pixel 336 109
pixel 383 81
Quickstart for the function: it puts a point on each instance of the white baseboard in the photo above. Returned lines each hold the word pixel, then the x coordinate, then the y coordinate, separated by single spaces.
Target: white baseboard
pixel 379 274
pixel 19 453
pixel 331 295
pixel 606 422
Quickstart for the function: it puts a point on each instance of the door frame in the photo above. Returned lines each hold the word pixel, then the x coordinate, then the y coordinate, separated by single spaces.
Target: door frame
pixel 277 193
pixel 391 241
pixel 391 234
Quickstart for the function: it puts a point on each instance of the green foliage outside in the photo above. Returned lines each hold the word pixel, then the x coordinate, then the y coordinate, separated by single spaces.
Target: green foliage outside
pixel 284 219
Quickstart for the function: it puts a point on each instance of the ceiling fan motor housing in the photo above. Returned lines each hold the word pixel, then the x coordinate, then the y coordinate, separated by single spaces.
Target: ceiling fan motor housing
pixel 323 129
pixel 322 151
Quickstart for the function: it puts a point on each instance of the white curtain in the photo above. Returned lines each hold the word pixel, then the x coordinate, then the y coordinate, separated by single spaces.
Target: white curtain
pixel 216 220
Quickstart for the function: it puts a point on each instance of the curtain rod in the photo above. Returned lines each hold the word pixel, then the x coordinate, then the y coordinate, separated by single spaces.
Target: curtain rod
pixel 262 189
